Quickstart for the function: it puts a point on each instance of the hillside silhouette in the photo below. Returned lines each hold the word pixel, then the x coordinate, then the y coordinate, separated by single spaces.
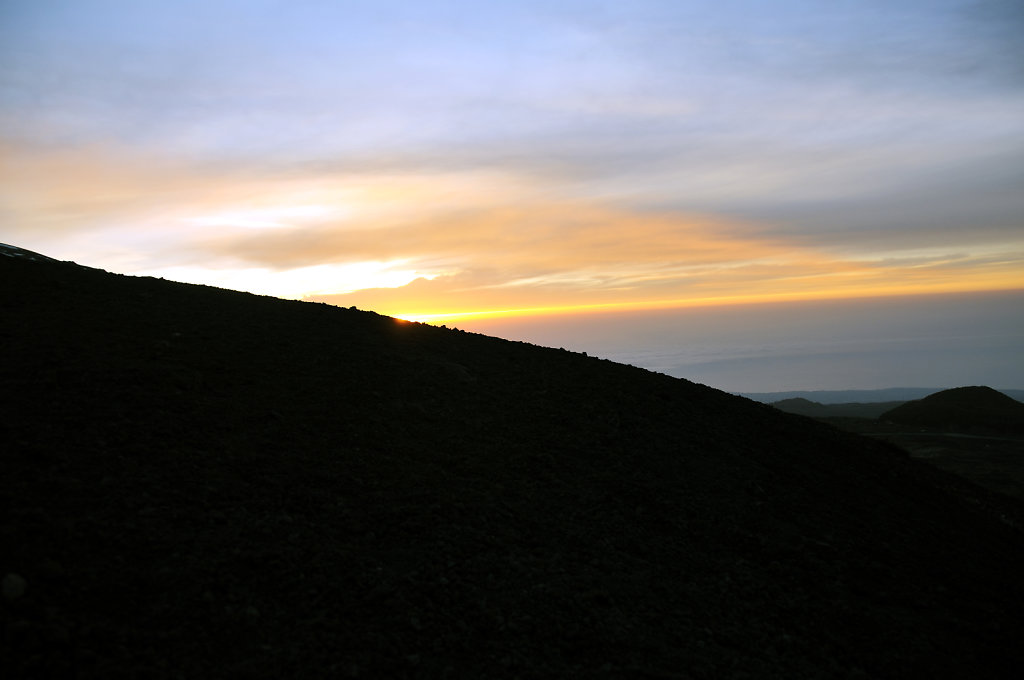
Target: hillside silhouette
pixel 963 408
pixel 204 483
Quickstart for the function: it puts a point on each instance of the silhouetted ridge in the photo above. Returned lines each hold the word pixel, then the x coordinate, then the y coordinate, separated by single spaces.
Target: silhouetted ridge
pixel 970 408
pixel 813 409
pixel 204 483
pixel 14 251
pixel 829 397
pixel 801 406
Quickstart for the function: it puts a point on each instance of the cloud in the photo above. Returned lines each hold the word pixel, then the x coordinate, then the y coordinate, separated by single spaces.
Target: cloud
pixel 520 156
pixel 468 241
pixel 525 238
pixel 729 270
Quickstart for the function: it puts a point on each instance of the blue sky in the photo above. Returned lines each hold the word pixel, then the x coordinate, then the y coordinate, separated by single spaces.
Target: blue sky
pixel 454 158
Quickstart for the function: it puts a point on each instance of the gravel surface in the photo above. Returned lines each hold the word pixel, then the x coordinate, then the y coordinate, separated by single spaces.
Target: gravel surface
pixel 202 483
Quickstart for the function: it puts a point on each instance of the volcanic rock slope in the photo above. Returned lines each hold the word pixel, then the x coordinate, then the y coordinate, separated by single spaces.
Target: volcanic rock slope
pixel 204 483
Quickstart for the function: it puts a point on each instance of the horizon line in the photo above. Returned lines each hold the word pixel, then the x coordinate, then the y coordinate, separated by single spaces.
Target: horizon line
pixel 697 302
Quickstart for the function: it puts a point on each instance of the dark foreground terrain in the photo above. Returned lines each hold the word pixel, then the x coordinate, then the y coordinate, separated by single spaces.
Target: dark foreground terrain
pixel 975 432
pixel 993 461
pixel 202 483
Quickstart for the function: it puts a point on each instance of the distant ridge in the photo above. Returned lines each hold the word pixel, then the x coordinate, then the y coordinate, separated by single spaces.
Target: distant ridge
pixel 814 409
pixel 803 407
pixel 859 396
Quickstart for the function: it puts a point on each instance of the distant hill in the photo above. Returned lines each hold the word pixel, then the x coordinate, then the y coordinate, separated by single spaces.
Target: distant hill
pixel 962 408
pixel 894 394
pixel 803 407
pixel 813 409
pixel 201 483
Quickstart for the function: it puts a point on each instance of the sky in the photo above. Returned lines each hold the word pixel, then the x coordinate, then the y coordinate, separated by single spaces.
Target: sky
pixel 604 176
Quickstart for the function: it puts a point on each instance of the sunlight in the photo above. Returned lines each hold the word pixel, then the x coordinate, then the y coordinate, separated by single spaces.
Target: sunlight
pixel 862 291
pixel 297 283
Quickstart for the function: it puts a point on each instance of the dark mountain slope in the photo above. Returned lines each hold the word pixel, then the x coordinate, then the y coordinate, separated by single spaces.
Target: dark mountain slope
pixel 962 408
pixel 202 483
pixel 7 250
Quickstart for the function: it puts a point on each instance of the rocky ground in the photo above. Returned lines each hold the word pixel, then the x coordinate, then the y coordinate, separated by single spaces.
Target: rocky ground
pixel 201 483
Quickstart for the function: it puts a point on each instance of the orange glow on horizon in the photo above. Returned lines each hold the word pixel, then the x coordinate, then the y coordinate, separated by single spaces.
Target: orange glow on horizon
pixel 711 301
pixel 447 246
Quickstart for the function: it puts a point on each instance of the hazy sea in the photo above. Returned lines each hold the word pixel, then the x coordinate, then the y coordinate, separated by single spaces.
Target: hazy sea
pixel 927 341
